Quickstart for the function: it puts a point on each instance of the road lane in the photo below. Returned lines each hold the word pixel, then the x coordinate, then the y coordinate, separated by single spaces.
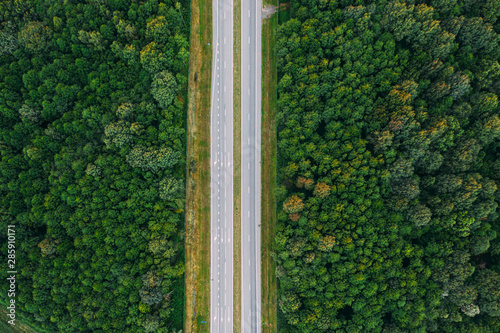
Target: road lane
pixel 251 12
pixel 221 171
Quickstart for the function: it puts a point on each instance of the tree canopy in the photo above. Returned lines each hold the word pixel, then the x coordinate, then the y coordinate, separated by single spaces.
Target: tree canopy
pixel 389 111
pixel 92 140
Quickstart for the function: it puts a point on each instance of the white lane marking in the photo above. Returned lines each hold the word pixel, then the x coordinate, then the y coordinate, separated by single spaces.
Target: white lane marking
pixel 224 88
pixel 224 64
pixel 224 40
pixel 248 39
pixel 248 92
pixel 248 189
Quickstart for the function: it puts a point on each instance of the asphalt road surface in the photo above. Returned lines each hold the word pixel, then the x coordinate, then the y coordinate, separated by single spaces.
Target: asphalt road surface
pixel 251 12
pixel 221 170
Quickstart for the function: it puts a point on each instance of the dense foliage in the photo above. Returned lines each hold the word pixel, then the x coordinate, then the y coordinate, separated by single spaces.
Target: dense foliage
pixel 389 166
pixel 92 115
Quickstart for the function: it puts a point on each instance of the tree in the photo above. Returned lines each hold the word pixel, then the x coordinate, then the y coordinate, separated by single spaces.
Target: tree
pixel 151 295
pixel 322 190
pixel 289 303
pixel 420 215
pixel 152 59
pixel 72 83
pixel 408 188
pixel 293 205
pixel 470 310
pixel 477 34
pixel 93 38
pixel 488 285
pixel 151 280
pixel 35 36
pixel 151 323
pixel 480 244
pixel 309 184
pixel 125 28
pixel 48 247
pixel 326 243
pixel 164 88
pixel 456 271
pixel 382 140
pixel 459 85
pixel 171 188
pixel 161 246
pixel 8 43
pixel 303 182
pixel 158 30
pixel 463 295
pixel 93 170
pixel 488 129
pixel 402 168
pixel 152 159
pixel 118 133
pixel 130 54
pixel 124 111
pixel 29 113
pixel 300 182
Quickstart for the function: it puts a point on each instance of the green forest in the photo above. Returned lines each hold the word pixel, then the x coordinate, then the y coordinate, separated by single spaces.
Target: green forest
pixel 388 166
pixel 92 169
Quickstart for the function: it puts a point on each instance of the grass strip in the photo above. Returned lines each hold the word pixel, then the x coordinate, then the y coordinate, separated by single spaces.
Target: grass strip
pixel 269 154
pixel 197 275
pixel 237 165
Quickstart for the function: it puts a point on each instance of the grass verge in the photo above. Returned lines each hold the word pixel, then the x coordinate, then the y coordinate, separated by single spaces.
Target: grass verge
pixel 197 275
pixel 19 326
pixel 269 154
pixel 237 165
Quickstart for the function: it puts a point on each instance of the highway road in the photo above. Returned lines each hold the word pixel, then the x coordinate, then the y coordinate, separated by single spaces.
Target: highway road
pixel 221 170
pixel 251 26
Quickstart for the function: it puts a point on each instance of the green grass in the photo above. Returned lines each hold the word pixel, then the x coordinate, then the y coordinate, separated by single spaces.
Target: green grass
pixel 197 295
pixel 269 155
pixel 236 166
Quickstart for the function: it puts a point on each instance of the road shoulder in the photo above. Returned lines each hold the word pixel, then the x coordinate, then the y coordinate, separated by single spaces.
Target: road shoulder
pixel 269 151
pixel 198 170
